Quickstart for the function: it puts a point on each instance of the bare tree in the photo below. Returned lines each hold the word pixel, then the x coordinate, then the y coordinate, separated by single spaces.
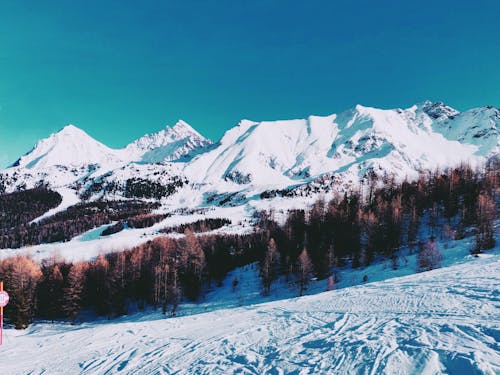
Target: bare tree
pixel 485 238
pixel 330 283
pixel 194 265
pixel 429 256
pixel 304 270
pixel 21 276
pixel 268 266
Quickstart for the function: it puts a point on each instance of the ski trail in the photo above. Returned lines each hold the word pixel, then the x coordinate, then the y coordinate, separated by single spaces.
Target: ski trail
pixel 443 321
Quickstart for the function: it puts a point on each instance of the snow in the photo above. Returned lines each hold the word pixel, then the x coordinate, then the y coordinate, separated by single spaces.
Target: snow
pixel 90 244
pixel 477 126
pixel 249 289
pixel 437 110
pixel 70 146
pixel 442 321
pixel 86 246
pixel 319 152
pixel 69 198
pixel 277 154
pixel 254 157
pixel 169 144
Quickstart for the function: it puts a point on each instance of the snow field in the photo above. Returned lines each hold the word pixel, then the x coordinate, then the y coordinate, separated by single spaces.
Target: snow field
pixel 442 321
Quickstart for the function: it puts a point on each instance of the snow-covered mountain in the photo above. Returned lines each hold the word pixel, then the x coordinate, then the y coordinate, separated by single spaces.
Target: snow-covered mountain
pixel 172 143
pixel 477 127
pixel 71 156
pixel 403 142
pixel 70 147
pixel 60 160
pixel 433 322
pixel 254 157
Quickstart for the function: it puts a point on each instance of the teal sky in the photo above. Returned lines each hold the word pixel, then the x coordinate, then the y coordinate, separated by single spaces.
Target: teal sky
pixel 119 69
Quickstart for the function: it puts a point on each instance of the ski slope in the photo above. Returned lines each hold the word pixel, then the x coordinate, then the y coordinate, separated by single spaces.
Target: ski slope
pixel 443 321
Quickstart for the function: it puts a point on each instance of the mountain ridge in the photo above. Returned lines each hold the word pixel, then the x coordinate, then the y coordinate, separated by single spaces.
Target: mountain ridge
pixel 254 157
pixel 71 144
pixel 169 144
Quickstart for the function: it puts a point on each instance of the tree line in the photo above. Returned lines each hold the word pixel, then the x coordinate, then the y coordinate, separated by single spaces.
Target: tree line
pixel 199 226
pixel 138 221
pixel 21 207
pixel 134 187
pixel 378 220
pixel 74 221
pixel 159 273
pixel 351 230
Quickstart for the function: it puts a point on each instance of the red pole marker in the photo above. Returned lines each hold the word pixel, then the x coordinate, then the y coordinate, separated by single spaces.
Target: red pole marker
pixel 4 300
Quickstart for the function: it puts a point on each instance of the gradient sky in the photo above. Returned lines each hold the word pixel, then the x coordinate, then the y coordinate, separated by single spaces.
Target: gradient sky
pixel 119 69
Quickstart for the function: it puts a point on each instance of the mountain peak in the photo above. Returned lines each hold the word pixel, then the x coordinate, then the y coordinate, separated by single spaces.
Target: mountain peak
pixel 360 107
pixel 437 110
pixel 181 124
pixel 183 129
pixel 364 111
pixel 69 128
pixel 69 146
pixel 169 144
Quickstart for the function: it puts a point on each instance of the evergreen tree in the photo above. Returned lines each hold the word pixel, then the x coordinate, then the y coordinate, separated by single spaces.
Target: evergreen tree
pixel 73 293
pixel 50 291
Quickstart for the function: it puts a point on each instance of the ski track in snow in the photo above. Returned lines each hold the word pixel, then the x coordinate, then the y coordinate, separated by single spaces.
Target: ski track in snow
pixel 443 321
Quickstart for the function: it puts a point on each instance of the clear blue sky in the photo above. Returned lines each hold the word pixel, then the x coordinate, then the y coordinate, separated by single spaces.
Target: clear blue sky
pixel 119 69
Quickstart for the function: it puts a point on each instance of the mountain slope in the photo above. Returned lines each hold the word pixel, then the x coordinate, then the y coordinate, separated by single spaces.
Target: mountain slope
pixel 477 127
pixel 442 321
pixel 69 147
pixel 256 157
pixel 172 143
pixel 403 142
pixel 71 158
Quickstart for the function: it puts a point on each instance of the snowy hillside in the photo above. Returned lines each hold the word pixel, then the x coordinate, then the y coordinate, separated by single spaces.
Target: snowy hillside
pixel 157 207
pixel 442 321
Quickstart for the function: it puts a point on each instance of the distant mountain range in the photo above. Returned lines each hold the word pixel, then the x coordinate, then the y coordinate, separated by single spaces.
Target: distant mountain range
pixel 257 157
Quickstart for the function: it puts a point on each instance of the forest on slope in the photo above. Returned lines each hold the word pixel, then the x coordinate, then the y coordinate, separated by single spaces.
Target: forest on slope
pixel 352 230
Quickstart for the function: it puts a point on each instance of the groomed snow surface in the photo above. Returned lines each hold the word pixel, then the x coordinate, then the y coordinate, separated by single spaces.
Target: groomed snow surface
pixel 445 321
